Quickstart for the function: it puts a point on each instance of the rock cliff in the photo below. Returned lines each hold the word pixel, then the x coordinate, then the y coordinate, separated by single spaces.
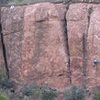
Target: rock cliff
pixel 49 44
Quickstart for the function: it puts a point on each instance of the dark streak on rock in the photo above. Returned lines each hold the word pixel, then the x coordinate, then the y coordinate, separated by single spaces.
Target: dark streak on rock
pixel 4 49
pixel 39 35
pixel 67 50
pixel 85 60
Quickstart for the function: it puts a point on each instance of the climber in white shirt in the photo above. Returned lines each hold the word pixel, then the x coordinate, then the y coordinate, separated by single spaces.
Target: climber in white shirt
pixel 12 7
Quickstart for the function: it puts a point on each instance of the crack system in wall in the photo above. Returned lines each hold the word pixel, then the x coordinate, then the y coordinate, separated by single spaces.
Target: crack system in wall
pixel 85 60
pixel 67 50
pixel 4 49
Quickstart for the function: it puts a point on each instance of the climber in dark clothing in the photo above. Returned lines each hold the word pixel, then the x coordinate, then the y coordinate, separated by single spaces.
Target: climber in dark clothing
pixel 95 62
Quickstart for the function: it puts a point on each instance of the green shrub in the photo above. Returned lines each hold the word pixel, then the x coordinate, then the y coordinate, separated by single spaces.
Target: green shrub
pixel 6 83
pixel 17 2
pixel 28 90
pixel 3 1
pixel 49 95
pixel 96 95
pixel 37 93
pixel 7 93
pixel 2 74
pixel 3 97
pixel 74 93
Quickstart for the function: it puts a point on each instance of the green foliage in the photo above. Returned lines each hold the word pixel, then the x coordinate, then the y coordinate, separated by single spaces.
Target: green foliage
pixel 7 83
pixel 96 95
pixel 28 90
pixel 7 93
pixel 4 81
pixel 2 74
pixel 37 93
pixel 3 97
pixel 17 2
pixel 3 1
pixel 48 95
pixel 74 93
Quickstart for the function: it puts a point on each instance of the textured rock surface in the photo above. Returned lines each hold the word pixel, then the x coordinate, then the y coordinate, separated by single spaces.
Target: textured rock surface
pixel 34 38
pixel 36 48
pixel 12 26
pixel 77 23
pixel 94 47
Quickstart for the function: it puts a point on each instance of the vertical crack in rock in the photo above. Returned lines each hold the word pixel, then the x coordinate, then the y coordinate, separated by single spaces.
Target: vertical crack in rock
pixel 3 48
pixel 67 50
pixel 85 60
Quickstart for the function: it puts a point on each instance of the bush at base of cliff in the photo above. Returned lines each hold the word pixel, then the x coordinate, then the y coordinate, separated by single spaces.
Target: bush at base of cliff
pixel 37 93
pixel 74 93
pixel 96 95
pixel 17 2
pixel 3 1
pixel 4 81
pixel 48 95
pixel 3 97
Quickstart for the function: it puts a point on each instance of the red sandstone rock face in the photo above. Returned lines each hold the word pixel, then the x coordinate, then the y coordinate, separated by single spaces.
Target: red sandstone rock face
pixel 77 24
pixel 35 43
pixel 12 26
pixel 34 38
pixel 94 47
